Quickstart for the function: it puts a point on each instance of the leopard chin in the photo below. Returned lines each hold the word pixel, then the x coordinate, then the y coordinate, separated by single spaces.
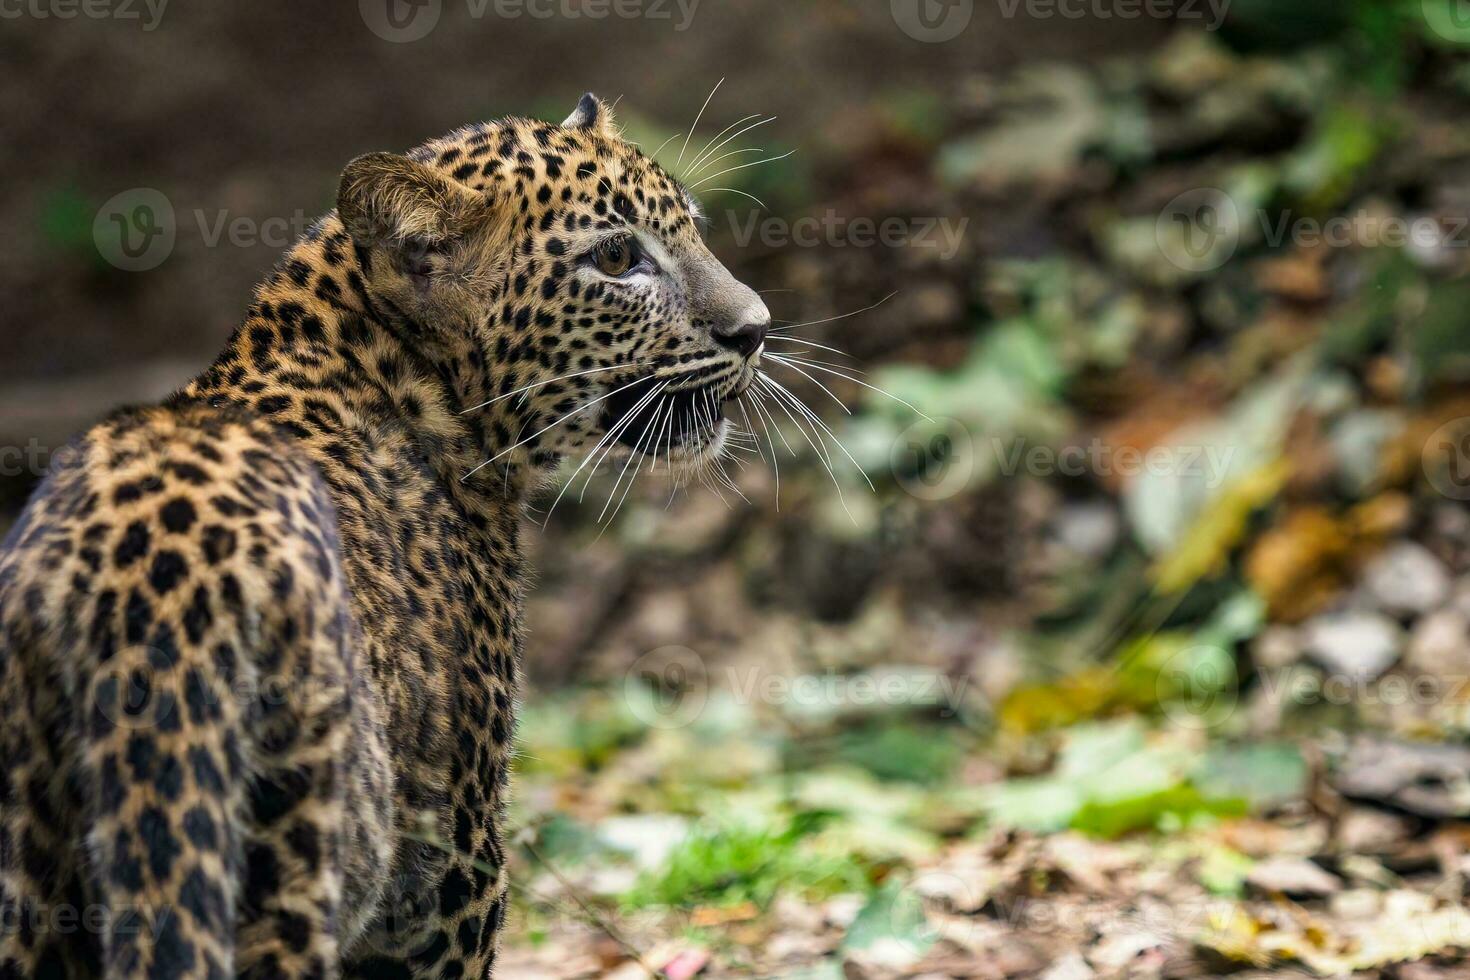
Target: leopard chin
pixel 701 449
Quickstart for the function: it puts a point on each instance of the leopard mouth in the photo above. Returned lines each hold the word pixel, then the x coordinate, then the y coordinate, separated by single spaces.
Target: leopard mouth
pixel 688 419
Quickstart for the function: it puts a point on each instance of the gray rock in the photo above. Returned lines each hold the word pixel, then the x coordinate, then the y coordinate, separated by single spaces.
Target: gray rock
pixel 1069 967
pixel 1297 877
pixel 1407 579
pixel 1357 645
pixel 1440 645
pixel 1365 830
pixel 1428 779
pixel 1277 646
pixel 1088 529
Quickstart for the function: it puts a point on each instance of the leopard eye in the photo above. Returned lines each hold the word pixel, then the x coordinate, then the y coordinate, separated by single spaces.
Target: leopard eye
pixel 616 256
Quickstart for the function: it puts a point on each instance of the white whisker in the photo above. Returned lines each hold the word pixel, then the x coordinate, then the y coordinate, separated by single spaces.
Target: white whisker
pixel 770 421
pixel 803 357
pixel 542 384
pixel 665 438
pixel 635 453
pixel 834 319
pixel 530 438
pixel 785 363
pixel 743 166
pixel 622 426
pixel 725 156
pixel 756 125
pixel 775 459
pixel 697 119
pixel 856 381
pixel 820 446
pixel 611 434
pixel 810 343
pixel 664 145
pixel 821 452
pixel 732 190
pixel 817 421
pixel 694 164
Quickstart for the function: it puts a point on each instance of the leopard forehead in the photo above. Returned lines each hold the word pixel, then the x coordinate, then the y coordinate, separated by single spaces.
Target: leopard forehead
pixel 566 178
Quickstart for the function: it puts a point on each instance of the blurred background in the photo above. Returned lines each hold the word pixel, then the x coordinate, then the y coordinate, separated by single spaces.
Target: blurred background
pixel 1126 633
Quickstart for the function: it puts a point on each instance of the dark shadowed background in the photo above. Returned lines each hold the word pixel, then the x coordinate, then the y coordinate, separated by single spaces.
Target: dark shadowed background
pixel 1130 637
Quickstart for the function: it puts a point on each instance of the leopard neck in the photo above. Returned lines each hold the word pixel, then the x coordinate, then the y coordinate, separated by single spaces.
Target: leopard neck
pixel 322 360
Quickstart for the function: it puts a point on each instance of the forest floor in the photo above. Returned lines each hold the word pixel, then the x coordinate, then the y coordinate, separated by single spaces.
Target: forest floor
pixel 1149 656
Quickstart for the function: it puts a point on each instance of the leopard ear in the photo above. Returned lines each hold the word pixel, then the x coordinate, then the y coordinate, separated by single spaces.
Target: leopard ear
pixel 407 211
pixel 591 113
pixel 386 199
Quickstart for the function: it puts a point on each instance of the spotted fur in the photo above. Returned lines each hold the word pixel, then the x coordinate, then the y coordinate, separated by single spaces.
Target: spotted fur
pixel 259 644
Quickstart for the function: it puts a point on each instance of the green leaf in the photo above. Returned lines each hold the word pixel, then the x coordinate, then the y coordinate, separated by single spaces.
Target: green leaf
pixel 723 866
pixel 1056 114
pixel 1441 337
pixel 1344 143
pixel 893 925
pixel 1179 804
pixel 1042 805
pixel 1223 870
pixel 1263 775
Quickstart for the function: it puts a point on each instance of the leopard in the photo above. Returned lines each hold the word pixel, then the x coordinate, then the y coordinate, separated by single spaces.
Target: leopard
pixel 261 642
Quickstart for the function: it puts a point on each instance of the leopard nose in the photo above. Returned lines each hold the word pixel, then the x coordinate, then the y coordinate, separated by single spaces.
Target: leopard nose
pixel 746 335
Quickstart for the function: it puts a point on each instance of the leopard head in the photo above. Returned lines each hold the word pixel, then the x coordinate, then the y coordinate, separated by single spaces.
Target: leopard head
pixel 570 270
